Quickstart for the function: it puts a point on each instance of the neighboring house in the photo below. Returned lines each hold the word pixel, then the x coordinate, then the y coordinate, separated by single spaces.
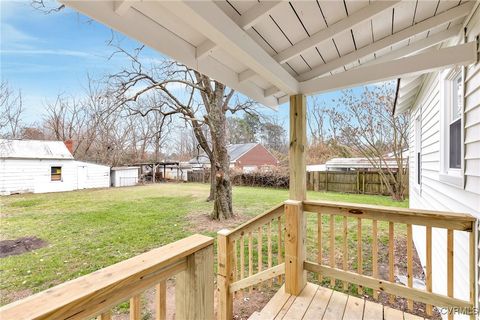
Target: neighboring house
pixel 444 136
pixel 246 157
pixel 124 176
pixel 359 164
pixel 46 166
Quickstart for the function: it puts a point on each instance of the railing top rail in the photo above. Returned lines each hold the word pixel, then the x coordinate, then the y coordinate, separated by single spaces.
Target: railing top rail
pixel 95 290
pixel 439 219
pixel 259 220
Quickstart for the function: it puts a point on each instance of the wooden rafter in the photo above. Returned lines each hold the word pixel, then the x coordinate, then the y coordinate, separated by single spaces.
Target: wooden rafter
pixel 256 13
pixel 212 22
pixel 343 25
pixel 445 17
pixel 463 54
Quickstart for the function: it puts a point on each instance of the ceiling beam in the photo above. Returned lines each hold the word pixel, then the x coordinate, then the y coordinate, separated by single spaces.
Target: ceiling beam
pixel 271 91
pixel 205 49
pixel 330 32
pixel 462 54
pixel 445 17
pixel 207 18
pixel 122 6
pixel 246 75
pixel 249 18
pixel 151 33
pixel 419 45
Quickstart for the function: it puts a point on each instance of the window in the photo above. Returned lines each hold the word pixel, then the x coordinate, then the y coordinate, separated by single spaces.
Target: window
pixel 452 99
pixel 56 174
pixel 455 125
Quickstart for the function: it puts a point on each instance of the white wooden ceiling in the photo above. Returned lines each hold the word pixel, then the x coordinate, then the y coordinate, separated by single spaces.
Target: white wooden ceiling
pixel 269 50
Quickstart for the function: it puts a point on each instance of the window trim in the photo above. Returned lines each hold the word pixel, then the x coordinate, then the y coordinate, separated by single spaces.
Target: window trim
pixel 418 150
pixel 452 176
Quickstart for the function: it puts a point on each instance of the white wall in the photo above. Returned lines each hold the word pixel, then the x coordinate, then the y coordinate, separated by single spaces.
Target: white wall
pixel 91 175
pixel 434 193
pixel 34 175
pixel 124 177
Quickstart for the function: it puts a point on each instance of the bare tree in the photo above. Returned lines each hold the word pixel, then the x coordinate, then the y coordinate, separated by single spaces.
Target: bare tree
pixel 196 98
pixel 11 112
pixel 367 124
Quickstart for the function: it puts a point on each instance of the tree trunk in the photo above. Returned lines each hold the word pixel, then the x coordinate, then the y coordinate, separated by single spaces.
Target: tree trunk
pixel 217 121
pixel 213 180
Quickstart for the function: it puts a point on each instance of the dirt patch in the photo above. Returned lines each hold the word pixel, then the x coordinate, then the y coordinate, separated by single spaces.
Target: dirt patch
pixel 20 245
pixel 202 222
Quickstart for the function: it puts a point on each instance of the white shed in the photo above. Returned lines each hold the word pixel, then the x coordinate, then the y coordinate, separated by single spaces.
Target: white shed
pixel 124 176
pixel 46 166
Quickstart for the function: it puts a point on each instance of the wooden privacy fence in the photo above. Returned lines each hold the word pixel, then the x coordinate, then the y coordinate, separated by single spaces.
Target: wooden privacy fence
pixel 365 182
pixel 95 294
pixel 362 182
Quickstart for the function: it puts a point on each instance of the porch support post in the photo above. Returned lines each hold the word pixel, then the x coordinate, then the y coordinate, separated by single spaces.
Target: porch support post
pixel 295 247
pixel 224 275
pixel 295 219
pixel 194 287
pixel 298 141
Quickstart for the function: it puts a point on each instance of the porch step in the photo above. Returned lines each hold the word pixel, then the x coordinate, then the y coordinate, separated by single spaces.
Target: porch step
pixel 255 316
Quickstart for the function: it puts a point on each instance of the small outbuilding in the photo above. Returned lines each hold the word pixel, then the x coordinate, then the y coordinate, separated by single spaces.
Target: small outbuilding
pixel 46 166
pixel 124 176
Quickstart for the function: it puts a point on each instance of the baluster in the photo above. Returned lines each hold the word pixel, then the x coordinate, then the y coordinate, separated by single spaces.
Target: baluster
pixel 235 260
pixel 359 252
pixel 269 247
pixel 259 251
pixel 319 243
pixel 428 267
pixel 161 300
pixel 242 258
pixel 279 244
pixel 473 265
pixel 135 308
pixel 450 268
pixel 375 254
pixel 332 247
pixel 391 261
pixel 105 316
pixel 345 249
pixel 410 263
pixel 250 257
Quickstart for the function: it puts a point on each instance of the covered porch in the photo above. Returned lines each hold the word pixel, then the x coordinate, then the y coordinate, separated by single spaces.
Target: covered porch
pixel 298 248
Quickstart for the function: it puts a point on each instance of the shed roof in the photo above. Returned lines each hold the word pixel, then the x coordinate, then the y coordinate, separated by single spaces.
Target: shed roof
pixel 34 149
pixel 235 151
pixel 269 50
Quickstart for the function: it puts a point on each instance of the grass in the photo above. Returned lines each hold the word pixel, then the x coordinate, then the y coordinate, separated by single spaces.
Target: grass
pixel 91 229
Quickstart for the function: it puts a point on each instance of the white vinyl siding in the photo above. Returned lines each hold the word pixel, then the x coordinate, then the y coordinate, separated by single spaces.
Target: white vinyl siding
pixel 435 194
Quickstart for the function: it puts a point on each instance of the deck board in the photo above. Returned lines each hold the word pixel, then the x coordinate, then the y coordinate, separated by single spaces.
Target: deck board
pixel 336 306
pixel 319 303
pixel 354 308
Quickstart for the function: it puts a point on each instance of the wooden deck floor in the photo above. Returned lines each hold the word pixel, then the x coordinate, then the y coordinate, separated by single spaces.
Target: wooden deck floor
pixel 316 303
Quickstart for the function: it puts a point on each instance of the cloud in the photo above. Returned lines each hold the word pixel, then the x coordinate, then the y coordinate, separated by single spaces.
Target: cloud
pixel 16 38
pixel 59 52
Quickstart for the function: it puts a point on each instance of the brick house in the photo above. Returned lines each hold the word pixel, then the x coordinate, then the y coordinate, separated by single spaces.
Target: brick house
pixel 246 157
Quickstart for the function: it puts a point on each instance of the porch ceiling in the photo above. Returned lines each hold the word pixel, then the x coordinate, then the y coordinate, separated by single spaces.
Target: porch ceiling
pixel 271 49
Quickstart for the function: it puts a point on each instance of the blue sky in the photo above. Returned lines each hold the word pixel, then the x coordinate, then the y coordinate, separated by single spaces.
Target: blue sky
pixel 46 55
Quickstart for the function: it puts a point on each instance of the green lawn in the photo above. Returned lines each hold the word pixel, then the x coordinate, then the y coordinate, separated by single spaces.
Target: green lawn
pixel 88 230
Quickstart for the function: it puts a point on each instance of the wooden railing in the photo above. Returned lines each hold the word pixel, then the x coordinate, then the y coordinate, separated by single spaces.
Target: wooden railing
pixel 346 260
pixel 353 220
pixel 190 259
pixel 249 255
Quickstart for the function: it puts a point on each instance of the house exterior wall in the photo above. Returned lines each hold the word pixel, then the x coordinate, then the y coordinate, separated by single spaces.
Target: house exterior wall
pixel 434 192
pixel 124 177
pixel 256 157
pixel 34 175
